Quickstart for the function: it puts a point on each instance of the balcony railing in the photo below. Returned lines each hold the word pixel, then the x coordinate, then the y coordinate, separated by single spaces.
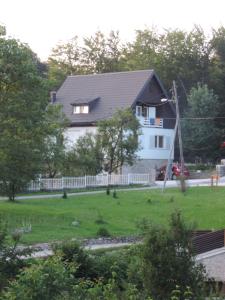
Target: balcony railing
pixel 151 122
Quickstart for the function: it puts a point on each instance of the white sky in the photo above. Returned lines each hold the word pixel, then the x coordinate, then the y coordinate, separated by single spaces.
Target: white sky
pixel 43 23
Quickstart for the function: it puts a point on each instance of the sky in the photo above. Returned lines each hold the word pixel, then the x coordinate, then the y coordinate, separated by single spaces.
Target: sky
pixel 44 23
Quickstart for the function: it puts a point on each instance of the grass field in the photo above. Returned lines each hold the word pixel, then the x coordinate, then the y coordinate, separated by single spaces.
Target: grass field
pixel 52 219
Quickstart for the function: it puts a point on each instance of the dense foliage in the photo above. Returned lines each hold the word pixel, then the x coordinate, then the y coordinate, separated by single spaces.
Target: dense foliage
pixel 23 101
pixel 160 268
pixel 114 144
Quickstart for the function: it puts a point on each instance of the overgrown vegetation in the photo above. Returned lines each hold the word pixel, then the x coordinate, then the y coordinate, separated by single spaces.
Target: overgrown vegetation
pixel 162 268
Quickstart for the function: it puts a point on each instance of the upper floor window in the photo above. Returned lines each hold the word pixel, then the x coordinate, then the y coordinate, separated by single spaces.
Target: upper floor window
pixel 81 109
pixel 159 141
pixel 146 112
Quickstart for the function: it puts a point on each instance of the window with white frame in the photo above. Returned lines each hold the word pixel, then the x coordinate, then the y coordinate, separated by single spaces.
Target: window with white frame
pixel 159 142
pixel 81 109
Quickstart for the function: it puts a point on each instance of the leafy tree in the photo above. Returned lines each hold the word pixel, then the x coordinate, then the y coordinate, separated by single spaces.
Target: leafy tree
pixel 201 136
pixel 64 60
pixel 217 69
pixel 119 139
pixel 143 52
pixel 23 100
pixel 54 145
pixel 167 261
pixel 85 157
pixel 101 54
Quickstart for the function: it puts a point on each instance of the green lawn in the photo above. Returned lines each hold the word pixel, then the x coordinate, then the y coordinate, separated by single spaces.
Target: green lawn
pixel 51 219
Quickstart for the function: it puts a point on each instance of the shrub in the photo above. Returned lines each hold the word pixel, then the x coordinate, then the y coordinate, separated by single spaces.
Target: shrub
pixel 103 232
pixel 10 255
pixel 64 196
pixel 107 190
pixel 115 194
pixel 46 279
pixel 73 252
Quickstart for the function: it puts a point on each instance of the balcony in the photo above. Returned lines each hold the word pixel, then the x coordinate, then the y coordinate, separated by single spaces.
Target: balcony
pixel 151 122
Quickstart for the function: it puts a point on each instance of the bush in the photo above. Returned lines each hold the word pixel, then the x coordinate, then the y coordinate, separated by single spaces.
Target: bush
pixel 115 194
pixel 103 232
pixel 64 196
pixel 46 279
pixel 108 190
pixel 72 252
pixel 10 256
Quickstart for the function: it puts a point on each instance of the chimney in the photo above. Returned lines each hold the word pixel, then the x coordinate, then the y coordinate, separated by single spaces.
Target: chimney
pixel 53 96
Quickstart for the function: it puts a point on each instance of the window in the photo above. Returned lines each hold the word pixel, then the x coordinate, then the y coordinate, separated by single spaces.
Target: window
pixel 138 111
pixel 81 109
pixel 145 111
pixel 159 141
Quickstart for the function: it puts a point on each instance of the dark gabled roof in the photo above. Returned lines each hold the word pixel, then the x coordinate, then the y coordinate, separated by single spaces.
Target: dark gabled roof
pixel 81 101
pixel 113 90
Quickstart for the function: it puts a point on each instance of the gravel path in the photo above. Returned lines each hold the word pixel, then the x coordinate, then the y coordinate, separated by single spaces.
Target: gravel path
pixel 45 249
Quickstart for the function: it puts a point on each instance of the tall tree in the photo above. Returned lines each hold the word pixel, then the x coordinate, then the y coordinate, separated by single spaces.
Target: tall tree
pixel 101 54
pixel 54 144
pixel 119 140
pixel 168 261
pixel 217 67
pixel 143 52
pixel 23 100
pixel 201 135
pixel 64 60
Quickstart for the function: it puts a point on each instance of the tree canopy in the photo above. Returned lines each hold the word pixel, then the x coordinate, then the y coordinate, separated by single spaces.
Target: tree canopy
pixel 23 101
pixel 119 140
pixel 201 135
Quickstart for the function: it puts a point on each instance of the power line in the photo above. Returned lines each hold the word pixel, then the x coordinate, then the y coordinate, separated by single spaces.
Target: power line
pixel 196 118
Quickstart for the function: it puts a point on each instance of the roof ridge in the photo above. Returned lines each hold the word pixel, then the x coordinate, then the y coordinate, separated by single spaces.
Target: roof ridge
pixel 111 73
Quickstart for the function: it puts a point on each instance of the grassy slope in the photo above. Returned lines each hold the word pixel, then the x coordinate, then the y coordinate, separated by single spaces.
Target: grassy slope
pixel 51 218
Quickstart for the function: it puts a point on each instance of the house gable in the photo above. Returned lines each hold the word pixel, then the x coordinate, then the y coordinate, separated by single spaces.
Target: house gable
pixel 151 96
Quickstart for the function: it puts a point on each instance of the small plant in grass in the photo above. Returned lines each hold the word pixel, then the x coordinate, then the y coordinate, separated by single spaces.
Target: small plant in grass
pixel 64 196
pixel 171 200
pixel 115 194
pixel 108 190
pixel 149 201
pixel 103 232
pixel 100 219
pixel 118 202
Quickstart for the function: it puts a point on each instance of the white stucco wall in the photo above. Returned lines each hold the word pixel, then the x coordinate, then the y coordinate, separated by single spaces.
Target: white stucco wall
pixel 148 151
pixel 73 133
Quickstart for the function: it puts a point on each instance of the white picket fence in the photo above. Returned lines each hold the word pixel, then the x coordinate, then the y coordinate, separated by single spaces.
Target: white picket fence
pixel 90 181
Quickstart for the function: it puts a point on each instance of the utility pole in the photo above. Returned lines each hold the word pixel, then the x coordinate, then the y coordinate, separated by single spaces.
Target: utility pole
pixel 179 130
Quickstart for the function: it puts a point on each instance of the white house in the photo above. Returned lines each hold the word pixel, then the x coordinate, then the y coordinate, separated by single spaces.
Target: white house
pixel 86 99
